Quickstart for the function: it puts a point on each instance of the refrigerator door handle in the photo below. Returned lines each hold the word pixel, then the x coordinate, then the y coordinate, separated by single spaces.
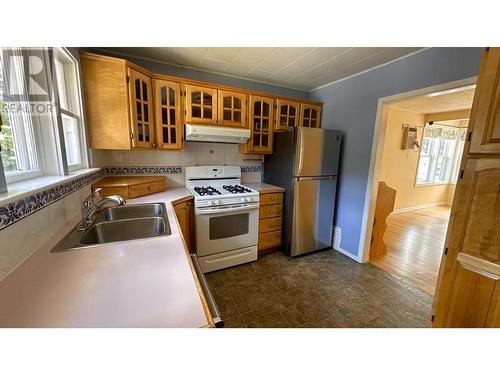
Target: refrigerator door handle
pixel 316 178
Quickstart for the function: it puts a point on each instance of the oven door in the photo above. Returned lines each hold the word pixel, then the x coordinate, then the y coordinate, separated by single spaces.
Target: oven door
pixel 220 229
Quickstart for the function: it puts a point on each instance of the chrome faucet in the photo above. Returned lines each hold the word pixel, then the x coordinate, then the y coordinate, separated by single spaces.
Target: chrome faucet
pixel 92 203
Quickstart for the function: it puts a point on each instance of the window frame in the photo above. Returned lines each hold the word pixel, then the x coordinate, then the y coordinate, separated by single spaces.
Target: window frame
pixel 50 145
pixel 451 168
pixel 77 116
pixel 18 176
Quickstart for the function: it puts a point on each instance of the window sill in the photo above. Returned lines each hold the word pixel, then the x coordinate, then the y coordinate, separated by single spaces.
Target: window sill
pixel 22 189
pixel 433 184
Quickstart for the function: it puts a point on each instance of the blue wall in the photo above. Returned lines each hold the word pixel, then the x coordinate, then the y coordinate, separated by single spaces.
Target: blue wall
pixel 198 75
pixel 351 106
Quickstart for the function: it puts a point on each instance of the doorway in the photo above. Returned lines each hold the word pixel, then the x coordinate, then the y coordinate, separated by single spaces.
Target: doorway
pixel 419 157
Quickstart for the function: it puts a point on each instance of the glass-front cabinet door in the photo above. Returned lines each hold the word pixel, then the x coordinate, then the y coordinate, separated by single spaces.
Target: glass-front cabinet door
pixel 287 114
pixel 310 115
pixel 141 109
pixel 232 109
pixel 201 105
pixel 261 123
pixel 168 115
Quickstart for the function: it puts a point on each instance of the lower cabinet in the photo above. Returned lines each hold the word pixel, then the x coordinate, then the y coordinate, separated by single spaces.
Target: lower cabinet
pixel 185 216
pixel 270 221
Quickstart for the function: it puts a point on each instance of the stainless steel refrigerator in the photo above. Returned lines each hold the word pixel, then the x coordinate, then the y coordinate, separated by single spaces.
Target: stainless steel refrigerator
pixel 305 162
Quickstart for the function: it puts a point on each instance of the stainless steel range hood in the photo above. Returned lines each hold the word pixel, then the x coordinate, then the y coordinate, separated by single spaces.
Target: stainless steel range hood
pixel 204 133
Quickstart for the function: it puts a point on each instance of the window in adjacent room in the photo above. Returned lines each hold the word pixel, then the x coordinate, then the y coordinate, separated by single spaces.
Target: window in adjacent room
pixel 440 150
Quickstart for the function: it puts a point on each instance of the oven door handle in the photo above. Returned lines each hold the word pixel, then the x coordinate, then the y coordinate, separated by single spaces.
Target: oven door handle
pixel 213 210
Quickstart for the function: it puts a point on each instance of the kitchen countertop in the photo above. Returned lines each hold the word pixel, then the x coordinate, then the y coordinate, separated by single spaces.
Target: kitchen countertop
pixel 262 187
pixel 142 283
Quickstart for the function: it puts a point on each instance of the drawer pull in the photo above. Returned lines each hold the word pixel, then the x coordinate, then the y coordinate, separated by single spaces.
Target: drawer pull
pixel 271 225
pixel 150 188
pixel 271 212
pixel 272 198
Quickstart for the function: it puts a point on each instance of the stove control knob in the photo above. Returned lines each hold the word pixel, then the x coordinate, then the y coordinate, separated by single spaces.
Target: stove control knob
pixel 242 200
pixel 209 203
pixel 249 199
pixel 216 203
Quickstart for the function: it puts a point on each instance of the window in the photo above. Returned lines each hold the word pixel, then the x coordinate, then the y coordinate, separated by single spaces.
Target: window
pixel 19 151
pixel 440 155
pixel 68 88
pixel 42 131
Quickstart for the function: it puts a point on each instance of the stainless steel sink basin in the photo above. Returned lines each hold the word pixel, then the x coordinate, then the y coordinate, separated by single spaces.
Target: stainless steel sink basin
pixel 134 211
pixel 124 230
pixel 123 223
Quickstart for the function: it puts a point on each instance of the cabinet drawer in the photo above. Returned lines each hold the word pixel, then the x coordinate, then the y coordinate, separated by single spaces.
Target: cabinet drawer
pixel 269 225
pixel 274 198
pixel 270 239
pixel 116 190
pixel 145 189
pixel 270 211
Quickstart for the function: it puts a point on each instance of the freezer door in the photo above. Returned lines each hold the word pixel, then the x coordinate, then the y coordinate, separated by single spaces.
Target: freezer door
pixel 313 208
pixel 316 152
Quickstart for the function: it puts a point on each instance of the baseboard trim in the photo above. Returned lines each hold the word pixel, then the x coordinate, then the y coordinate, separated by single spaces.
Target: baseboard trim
pixel 348 254
pixel 413 208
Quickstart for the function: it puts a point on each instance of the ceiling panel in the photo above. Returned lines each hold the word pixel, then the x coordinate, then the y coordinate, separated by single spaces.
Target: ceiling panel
pixel 442 102
pixel 302 68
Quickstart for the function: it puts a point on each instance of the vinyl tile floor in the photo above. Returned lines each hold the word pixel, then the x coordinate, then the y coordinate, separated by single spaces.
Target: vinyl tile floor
pixel 324 289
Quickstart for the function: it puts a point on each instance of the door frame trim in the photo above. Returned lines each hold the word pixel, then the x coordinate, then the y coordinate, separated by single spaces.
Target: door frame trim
pixel 379 134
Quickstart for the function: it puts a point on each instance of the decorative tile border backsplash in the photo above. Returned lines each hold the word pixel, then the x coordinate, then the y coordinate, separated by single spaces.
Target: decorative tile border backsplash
pixel 15 211
pixel 24 207
pixel 124 171
pixel 251 168
pixel 121 171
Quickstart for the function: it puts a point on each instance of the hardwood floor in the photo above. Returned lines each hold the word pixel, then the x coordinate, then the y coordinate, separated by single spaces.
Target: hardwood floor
pixel 415 242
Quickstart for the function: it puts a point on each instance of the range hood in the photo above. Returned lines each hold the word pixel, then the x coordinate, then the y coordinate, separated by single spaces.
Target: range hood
pixel 204 133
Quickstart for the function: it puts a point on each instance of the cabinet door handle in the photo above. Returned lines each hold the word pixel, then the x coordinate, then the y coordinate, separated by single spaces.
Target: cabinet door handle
pixel 154 144
pixel 221 122
pixel 160 144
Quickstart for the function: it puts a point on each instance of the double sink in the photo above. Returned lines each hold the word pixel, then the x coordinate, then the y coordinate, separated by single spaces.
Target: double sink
pixel 122 223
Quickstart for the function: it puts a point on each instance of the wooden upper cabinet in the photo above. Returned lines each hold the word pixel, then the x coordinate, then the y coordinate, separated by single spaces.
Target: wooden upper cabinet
pixel 485 113
pixel 287 114
pixel 201 105
pixel 232 109
pixel 168 115
pixel 129 107
pixel 310 115
pixel 261 110
pixel 105 92
pixel 141 109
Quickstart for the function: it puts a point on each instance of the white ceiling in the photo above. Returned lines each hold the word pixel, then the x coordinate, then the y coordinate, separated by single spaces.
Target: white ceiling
pixel 302 68
pixel 442 102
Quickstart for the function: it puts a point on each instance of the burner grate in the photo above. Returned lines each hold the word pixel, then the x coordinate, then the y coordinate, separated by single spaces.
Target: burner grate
pixel 236 189
pixel 206 190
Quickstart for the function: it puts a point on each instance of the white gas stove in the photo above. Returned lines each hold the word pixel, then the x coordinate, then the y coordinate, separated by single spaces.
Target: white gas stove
pixel 227 216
